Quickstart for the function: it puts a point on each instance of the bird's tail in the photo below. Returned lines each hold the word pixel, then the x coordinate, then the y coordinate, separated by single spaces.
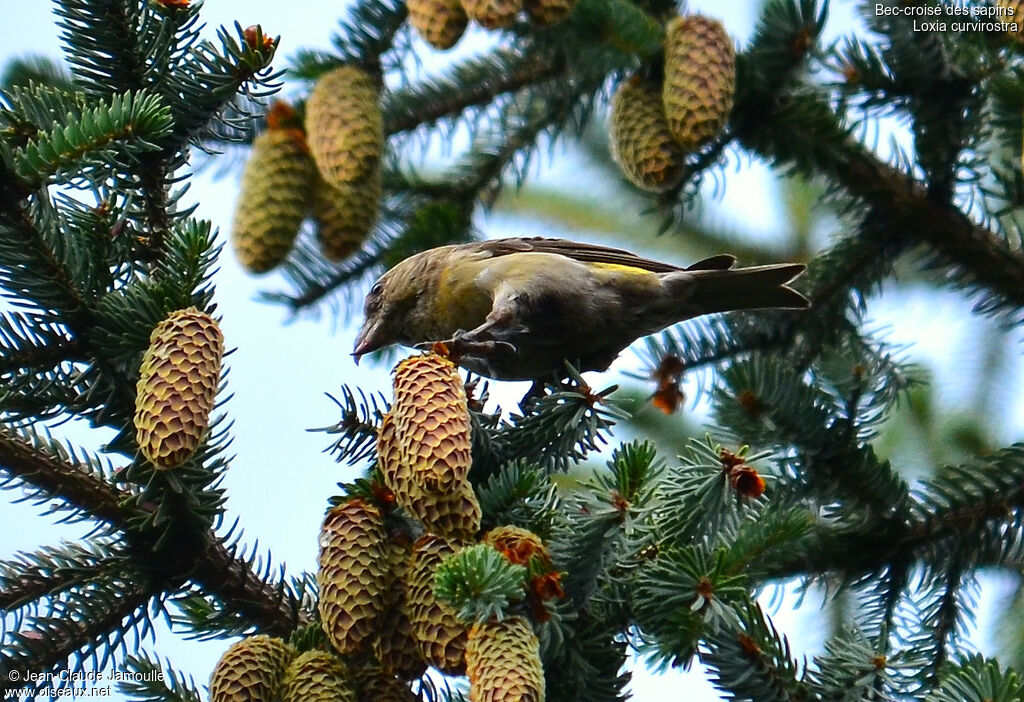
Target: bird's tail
pixel 757 287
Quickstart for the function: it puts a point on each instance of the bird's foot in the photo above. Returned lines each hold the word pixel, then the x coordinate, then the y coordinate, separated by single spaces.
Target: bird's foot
pixel 464 344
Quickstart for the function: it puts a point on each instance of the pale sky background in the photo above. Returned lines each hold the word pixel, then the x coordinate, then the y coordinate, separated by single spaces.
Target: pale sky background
pixel 280 478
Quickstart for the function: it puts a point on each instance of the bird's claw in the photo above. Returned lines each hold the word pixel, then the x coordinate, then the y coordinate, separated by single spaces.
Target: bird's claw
pixel 463 344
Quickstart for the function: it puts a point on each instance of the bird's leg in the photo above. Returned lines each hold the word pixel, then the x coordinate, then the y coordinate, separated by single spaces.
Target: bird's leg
pixel 493 336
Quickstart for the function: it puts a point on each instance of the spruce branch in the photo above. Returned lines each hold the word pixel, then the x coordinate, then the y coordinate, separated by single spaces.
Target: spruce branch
pixel 101 44
pixel 148 681
pixel 584 659
pixel 752 661
pixel 272 608
pixel 521 493
pixel 369 30
pixel 32 262
pixel 624 27
pixel 476 81
pixel 55 474
pixel 31 576
pixel 95 619
pixel 208 78
pixel 977 679
pixel 946 623
pixel 559 427
pixel 506 147
pixel 36 71
pixel 478 583
pixel 49 469
pixel 29 341
pixel 904 210
pixel 849 670
pixel 946 512
pixel 357 428
pixel 30 109
pixel 100 140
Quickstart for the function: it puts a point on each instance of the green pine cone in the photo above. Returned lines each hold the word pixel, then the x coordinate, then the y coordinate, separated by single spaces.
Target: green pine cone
pixel 441 23
pixel 700 79
pixel 275 197
pixel 503 662
pixel 642 144
pixel 344 125
pixel 345 214
pixel 251 670
pixel 441 637
pixel 493 14
pixel 352 575
pixel 548 12
pixel 316 676
pixel 177 386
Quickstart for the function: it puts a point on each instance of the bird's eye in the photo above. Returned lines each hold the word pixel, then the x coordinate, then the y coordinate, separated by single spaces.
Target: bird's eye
pixel 377 289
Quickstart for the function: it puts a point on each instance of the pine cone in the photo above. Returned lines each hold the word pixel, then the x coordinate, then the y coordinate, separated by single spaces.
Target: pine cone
pixel 352 575
pixel 441 23
pixel 453 513
pixel 345 214
pixel 377 686
pixel 700 78
pixel 395 646
pixel 641 142
pixel 441 637
pixel 251 670
pixel 518 545
pixel 275 197
pixel 1016 15
pixel 432 421
pixel 344 125
pixel 548 12
pixel 177 386
pixel 503 662
pixel 317 676
pixel 493 14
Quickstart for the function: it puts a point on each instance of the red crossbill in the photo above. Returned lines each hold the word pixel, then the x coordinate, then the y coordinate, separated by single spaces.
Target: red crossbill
pixel 517 309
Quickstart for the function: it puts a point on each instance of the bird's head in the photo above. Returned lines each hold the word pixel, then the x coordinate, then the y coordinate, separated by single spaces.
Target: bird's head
pixel 391 302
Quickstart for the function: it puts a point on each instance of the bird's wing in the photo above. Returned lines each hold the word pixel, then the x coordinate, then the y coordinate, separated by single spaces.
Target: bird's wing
pixel 720 262
pixel 593 253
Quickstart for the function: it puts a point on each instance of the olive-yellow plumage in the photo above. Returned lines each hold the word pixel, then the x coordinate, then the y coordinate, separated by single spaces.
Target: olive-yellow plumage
pixel 517 309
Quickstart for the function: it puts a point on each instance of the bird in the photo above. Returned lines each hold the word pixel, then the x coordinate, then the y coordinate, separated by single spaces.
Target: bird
pixel 520 308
